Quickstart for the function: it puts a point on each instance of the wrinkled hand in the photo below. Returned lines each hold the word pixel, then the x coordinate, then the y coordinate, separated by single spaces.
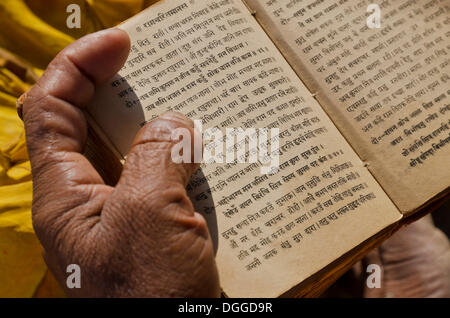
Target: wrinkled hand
pixel 140 238
pixel 415 263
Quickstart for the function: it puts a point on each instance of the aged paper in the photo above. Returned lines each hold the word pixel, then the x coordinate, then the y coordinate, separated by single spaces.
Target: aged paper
pixel 386 89
pixel 212 61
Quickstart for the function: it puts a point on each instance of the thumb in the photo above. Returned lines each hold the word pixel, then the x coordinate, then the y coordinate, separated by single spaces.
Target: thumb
pixel 152 180
pixel 150 215
pixel 157 149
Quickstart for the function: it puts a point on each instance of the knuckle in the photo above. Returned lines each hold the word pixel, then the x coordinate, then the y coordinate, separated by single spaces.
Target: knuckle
pixel 39 117
pixel 200 226
pixel 164 129
pixel 32 96
pixel 153 208
pixel 46 228
pixel 162 196
pixel 51 121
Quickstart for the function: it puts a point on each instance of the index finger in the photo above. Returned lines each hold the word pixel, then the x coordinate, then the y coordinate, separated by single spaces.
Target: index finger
pixel 55 126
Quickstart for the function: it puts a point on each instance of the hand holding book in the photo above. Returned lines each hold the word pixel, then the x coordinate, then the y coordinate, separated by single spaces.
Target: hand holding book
pixel 344 184
pixel 141 238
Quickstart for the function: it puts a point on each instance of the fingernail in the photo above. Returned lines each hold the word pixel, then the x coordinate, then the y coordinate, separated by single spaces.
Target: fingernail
pixel 19 105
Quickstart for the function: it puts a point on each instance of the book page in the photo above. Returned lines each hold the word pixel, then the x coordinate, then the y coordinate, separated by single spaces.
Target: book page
pixel 212 61
pixel 386 89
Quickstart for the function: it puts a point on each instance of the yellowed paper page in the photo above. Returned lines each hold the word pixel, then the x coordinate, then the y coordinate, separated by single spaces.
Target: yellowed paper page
pixel 211 61
pixel 386 89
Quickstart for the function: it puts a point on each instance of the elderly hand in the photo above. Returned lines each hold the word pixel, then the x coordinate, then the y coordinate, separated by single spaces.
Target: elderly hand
pixel 139 238
pixel 415 263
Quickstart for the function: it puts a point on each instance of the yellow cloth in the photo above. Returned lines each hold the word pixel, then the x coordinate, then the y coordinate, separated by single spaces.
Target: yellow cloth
pixel 33 31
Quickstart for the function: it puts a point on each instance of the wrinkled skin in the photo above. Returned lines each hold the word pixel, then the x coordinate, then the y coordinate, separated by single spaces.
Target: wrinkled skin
pixel 142 238
pixel 415 262
pixel 139 238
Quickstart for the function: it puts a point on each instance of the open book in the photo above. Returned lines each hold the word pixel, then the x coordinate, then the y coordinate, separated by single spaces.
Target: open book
pixel 363 117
